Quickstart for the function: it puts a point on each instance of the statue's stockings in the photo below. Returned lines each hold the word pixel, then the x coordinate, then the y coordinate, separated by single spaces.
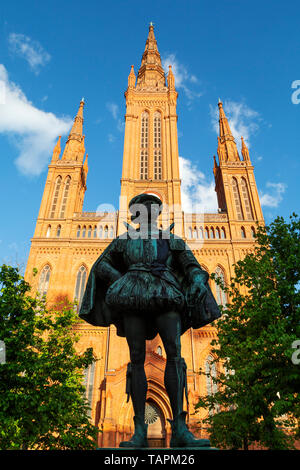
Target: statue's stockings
pixel 169 328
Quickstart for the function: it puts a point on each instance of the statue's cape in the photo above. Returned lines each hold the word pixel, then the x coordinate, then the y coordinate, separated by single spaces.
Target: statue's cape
pixel 95 311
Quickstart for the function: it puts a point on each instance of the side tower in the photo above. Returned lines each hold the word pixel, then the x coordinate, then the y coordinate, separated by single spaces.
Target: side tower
pixel 150 160
pixel 235 183
pixel 63 197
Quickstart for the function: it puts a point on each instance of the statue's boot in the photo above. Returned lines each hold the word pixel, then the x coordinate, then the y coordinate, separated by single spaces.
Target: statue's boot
pixel 176 384
pixel 182 437
pixel 139 438
pixel 136 388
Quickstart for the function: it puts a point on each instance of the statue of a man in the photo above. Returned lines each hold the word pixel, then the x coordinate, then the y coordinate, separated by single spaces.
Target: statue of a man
pixel 148 282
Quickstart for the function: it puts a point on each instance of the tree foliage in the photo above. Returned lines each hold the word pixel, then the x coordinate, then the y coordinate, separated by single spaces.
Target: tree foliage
pixel 42 404
pixel 258 381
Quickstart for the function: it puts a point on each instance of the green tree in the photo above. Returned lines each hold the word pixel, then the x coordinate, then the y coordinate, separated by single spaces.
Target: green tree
pixel 42 404
pixel 258 381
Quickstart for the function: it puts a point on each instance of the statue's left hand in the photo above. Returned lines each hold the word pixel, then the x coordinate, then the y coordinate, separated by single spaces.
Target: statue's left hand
pixel 196 292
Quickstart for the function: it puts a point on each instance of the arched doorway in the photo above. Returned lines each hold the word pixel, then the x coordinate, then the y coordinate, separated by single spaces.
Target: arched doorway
pixel 156 425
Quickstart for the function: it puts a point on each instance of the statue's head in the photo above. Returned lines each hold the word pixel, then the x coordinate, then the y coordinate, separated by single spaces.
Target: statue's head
pixel 145 208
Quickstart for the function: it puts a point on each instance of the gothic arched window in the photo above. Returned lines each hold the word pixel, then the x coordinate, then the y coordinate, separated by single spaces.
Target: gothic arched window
pixel 206 232
pixel 237 199
pixel 253 232
pixel 223 233
pixel 212 232
pixel 190 232
pixel 58 231
pixel 55 197
pixel 78 231
pixel 88 381
pixel 44 280
pixel 83 231
pixel 89 231
pixel 217 233
pixel 106 231
pixel 243 232
pixel 195 232
pixel 48 231
pixel 157 164
pixel 211 373
pixel 144 145
pixel 111 232
pixel 159 351
pixel 221 294
pixel 95 231
pixel 246 197
pixel 80 285
pixel 100 234
pixel 65 197
pixel 201 232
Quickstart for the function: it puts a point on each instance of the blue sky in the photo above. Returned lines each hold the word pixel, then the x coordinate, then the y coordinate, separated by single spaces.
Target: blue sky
pixel 54 53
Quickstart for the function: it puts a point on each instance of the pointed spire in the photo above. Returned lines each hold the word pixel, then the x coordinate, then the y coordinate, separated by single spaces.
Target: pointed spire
pixel 85 167
pixel 77 127
pixel 227 149
pixel 74 149
pixel 215 165
pixel 171 79
pixel 131 78
pixel 245 151
pixel 151 74
pixel 56 150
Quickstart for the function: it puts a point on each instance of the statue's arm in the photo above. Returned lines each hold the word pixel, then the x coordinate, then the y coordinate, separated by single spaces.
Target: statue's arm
pixel 196 276
pixel 106 267
pixel 107 272
pixel 190 267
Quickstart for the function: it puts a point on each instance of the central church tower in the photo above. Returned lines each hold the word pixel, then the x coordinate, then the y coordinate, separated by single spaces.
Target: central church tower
pixel 150 160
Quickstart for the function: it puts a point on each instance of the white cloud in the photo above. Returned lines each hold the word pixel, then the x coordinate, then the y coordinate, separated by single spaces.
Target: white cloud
pixel 113 108
pixel 243 121
pixel 182 77
pixel 274 197
pixel 30 50
pixel 34 131
pixel 111 138
pixel 197 193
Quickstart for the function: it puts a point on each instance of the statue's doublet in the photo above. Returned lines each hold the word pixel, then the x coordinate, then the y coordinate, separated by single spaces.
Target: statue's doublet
pixel 149 285
pixel 154 279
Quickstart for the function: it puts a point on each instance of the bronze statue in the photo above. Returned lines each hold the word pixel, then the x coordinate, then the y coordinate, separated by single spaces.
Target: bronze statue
pixel 148 281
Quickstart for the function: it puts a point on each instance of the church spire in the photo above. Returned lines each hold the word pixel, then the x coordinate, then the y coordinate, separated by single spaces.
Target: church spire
pixel 245 151
pixel 227 149
pixel 56 151
pixel 77 128
pixel 151 74
pixel 74 149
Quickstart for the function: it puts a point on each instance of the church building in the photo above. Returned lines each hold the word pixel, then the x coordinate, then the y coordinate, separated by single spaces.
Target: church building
pixel 67 241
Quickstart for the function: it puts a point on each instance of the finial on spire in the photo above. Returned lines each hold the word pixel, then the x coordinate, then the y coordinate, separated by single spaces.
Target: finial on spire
pixel 151 24
pixel 56 150
pixel 131 78
pixel 171 79
pixel 245 151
